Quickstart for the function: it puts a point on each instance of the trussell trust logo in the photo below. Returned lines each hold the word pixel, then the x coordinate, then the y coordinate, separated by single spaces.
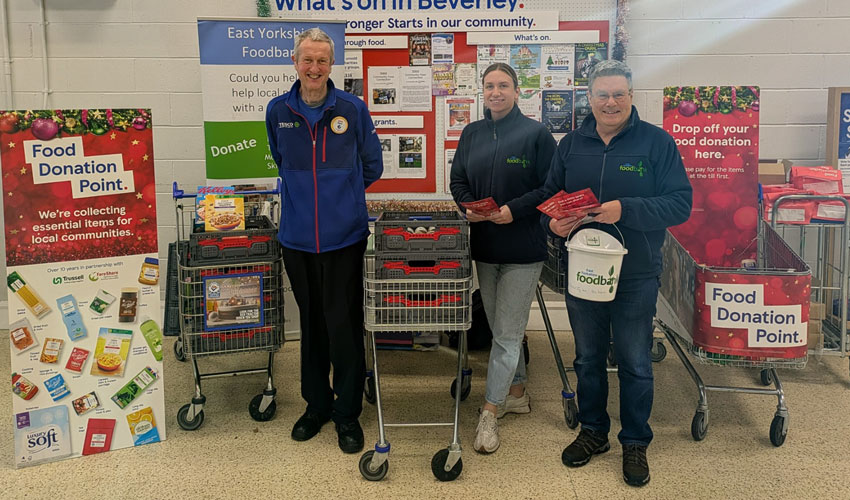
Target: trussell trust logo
pixel 628 167
pixel 288 124
pixel 58 280
pixel 514 160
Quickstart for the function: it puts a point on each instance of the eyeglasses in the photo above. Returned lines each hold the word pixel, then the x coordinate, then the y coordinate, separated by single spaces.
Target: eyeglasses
pixel 603 97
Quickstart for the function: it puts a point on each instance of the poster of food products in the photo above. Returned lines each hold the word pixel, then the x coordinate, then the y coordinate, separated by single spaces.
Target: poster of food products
pixel 83 281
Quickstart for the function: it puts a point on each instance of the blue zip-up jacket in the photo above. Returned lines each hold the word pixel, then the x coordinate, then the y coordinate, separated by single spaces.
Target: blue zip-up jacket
pixel 641 166
pixel 507 159
pixel 325 170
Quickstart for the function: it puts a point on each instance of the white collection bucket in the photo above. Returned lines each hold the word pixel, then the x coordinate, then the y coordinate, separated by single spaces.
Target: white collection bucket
pixel 594 262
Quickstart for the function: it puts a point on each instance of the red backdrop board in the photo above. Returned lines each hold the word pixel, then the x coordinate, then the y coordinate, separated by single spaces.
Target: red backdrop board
pixel 58 206
pixel 752 315
pixel 716 129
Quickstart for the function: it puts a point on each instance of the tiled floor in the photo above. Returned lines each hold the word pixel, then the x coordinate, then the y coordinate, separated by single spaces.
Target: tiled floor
pixel 232 456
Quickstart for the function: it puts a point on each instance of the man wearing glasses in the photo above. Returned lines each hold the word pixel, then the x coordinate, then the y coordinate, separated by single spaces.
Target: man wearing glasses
pixel 636 172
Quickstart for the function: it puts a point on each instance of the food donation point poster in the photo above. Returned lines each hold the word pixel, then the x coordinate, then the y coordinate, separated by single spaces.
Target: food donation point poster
pixel 80 222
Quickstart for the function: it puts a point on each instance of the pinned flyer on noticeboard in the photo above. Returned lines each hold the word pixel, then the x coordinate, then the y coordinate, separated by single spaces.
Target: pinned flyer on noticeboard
pixel 82 270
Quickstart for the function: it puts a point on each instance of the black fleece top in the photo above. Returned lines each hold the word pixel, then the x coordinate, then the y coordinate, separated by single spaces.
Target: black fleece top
pixel 509 160
pixel 641 166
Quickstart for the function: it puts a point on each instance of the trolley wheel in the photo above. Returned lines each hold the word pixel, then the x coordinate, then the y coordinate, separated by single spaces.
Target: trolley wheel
pixel 438 466
pixel 766 378
pixel 369 393
pixel 186 424
pixel 612 361
pixel 466 388
pixel 366 461
pixel 525 349
pixel 699 426
pixel 178 351
pixel 658 352
pixel 261 416
pixel 571 413
pixel 778 430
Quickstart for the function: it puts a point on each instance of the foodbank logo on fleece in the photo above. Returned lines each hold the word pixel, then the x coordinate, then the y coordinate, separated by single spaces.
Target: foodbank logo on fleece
pixel 628 167
pixel 514 160
pixel 63 160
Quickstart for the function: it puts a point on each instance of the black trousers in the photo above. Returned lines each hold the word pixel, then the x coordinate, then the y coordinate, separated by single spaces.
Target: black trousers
pixel 328 288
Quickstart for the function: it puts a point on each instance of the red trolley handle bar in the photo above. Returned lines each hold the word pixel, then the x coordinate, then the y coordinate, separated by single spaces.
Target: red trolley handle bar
pixel 442 299
pixel 435 269
pixel 224 337
pixel 400 231
pixel 234 241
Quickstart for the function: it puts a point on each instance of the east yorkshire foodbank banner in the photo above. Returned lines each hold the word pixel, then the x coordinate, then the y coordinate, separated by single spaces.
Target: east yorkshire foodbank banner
pixel 79 200
pixel 245 63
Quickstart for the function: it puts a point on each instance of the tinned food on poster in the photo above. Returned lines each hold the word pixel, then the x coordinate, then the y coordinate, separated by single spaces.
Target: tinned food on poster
pixel 86 403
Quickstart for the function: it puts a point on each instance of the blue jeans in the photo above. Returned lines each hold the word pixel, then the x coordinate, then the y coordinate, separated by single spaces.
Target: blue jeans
pixel 628 320
pixel 506 290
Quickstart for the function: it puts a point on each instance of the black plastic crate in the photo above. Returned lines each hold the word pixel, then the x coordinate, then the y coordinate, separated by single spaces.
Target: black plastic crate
pixel 554 269
pixel 399 232
pixel 258 242
pixel 171 320
pixel 423 266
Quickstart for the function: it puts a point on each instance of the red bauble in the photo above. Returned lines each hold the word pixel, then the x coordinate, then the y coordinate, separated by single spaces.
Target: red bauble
pixel 687 108
pixel 44 128
pixel 8 123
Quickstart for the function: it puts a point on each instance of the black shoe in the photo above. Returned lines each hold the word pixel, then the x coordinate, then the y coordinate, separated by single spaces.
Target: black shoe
pixel 308 426
pixel 635 466
pixel 350 437
pixel 587 444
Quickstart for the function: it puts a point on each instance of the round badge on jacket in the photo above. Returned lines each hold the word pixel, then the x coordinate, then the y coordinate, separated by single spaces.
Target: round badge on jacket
pixel 339 125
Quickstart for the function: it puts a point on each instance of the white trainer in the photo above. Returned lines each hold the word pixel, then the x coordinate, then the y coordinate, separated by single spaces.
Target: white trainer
pixel 487 433
pixel 515 404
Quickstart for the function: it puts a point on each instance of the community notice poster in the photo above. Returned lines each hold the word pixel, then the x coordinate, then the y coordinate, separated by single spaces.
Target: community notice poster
pixel 246 63
pixel 79 204
pixel 716 130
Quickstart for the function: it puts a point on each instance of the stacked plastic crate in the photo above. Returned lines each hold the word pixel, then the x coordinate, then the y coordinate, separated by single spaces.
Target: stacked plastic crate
pixel 422 274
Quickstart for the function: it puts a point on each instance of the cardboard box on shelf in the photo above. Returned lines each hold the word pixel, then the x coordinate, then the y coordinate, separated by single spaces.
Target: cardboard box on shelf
pixel 773 171
pixel 817 311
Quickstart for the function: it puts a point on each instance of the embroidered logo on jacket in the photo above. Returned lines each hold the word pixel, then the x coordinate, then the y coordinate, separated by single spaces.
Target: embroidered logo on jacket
pixel 288 124
pixel 339 125
pixel 628 167
pixel 514 160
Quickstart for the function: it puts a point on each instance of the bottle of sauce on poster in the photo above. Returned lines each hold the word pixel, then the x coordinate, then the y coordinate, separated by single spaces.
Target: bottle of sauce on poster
pixel 129 303
pixel 153 336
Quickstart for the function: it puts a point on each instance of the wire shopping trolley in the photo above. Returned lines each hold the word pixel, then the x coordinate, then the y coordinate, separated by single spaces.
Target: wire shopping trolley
pixel 230 294
pixel 418 281
pixel 746 317
pixel 553 277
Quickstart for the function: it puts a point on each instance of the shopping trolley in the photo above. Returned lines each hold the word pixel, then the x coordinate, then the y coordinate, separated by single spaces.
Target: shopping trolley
pixel 418 282
pixel 685 317
pixel 230 296
pixel 553 277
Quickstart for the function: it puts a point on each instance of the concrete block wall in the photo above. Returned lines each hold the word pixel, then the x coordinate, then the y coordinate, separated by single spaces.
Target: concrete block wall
pixel 144 53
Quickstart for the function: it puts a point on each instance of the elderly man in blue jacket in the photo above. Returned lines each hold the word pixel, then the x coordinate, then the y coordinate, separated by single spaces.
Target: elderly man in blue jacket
pixel 635 170
pixel 328 153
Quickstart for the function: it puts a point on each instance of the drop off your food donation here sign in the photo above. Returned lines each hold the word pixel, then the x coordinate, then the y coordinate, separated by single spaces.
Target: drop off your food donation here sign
pixel 82 271
pixel 244 65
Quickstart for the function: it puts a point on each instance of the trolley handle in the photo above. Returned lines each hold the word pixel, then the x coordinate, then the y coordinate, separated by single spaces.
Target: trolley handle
pixel 234 242
pixel 442 299
pixel 180 194
pixel 422 266
pixel 436 235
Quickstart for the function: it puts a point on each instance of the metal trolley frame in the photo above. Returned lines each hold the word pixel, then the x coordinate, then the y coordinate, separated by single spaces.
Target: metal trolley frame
pixel 830 282
pixel 774 257
pixel 415 305
pixel 553 277
pixel 197 340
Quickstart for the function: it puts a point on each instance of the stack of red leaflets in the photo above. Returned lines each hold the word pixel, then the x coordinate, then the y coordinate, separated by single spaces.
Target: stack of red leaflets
pixel 485 207
pixel 564 204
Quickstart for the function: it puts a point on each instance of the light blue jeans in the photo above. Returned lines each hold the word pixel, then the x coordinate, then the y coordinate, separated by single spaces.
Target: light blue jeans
pixel 507 291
